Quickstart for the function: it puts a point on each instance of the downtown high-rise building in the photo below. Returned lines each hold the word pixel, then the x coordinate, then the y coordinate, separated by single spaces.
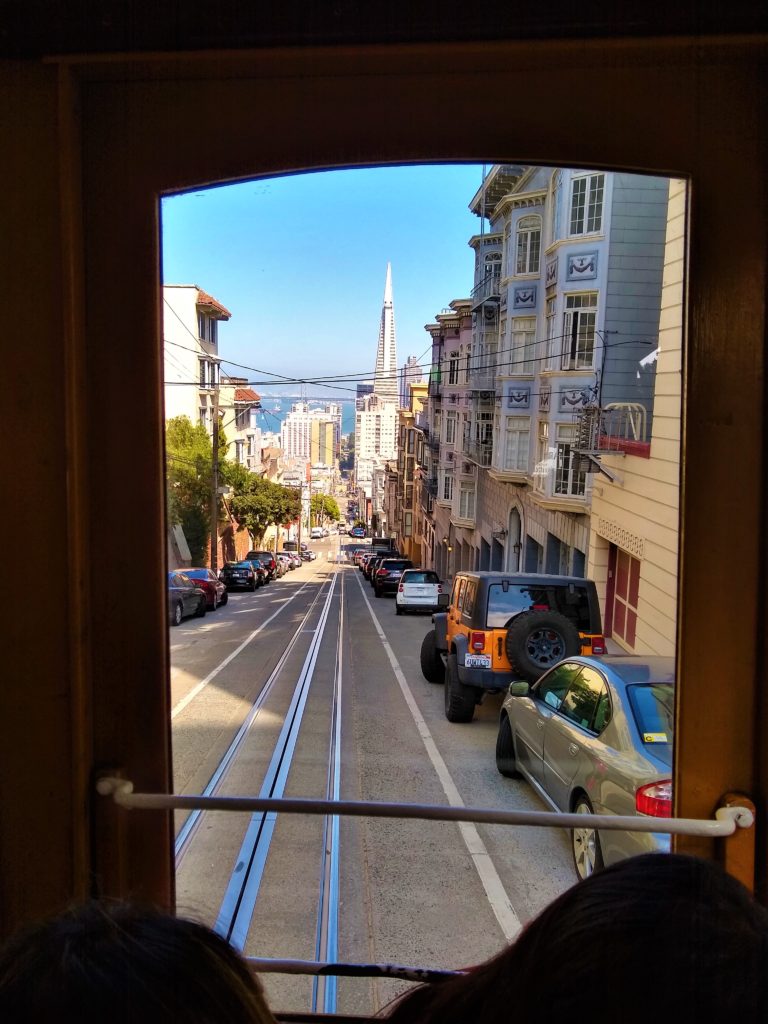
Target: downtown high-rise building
pixel 385 378
pixel 410 373
pixel 312 434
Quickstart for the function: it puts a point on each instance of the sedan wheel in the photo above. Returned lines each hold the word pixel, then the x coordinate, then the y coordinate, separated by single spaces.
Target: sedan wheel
pixel 585 844
pixel 178 614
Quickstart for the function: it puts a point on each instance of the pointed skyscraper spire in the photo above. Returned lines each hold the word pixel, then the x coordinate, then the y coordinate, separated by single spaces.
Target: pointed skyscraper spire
pixel 385 376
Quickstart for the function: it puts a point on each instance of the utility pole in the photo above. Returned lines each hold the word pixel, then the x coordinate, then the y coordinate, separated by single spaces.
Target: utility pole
pixel 215 480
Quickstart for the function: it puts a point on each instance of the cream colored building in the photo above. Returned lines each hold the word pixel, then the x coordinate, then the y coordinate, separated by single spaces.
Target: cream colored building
pixel 633 544
pixel 191 352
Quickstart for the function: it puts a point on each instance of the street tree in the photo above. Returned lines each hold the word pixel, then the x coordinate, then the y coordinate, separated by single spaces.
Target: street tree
pixel 189 474
pixel 324 507
pixel 258 504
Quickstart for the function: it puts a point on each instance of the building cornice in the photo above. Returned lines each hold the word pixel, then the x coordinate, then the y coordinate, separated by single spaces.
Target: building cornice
pixel 519 202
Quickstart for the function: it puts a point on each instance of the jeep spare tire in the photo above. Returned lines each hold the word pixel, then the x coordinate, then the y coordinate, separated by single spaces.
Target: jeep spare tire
pixel 536 641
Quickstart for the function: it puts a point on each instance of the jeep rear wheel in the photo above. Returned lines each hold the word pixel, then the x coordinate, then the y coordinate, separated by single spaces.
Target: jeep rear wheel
pixel 460 700
pixel 536 641
pixel 431 662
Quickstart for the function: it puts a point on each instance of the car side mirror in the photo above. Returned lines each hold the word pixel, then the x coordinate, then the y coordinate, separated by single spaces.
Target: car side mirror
pixel 519 688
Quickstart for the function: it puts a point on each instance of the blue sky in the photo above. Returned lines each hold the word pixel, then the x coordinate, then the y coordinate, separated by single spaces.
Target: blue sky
pixel 300 261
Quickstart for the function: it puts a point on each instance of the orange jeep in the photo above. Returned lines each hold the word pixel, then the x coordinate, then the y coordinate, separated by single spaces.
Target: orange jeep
pixel 505 626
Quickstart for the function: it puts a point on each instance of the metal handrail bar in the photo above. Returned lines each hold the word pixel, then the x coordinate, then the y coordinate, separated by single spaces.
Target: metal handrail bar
pixel 725 822
pixel 273 965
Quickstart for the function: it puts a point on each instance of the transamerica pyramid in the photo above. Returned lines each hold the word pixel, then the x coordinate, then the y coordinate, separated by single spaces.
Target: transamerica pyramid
pixel 385 376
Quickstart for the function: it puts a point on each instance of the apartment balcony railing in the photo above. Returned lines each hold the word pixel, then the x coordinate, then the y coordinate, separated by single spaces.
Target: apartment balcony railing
pixel 487 290
pixel 479 452
pixel 482 370
pixel 621 427
pixel 433 389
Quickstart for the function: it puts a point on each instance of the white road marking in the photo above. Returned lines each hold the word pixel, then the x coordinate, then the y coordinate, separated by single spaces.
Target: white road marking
pixel 185 701
pixel 500 902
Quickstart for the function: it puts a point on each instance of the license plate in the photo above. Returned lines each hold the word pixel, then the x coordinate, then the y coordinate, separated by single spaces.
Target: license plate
pixel 477 660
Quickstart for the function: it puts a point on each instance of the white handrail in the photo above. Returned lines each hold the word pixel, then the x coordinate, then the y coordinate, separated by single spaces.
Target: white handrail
pixel 725 822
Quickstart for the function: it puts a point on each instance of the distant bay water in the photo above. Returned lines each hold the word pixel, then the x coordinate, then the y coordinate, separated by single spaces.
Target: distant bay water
pixel 275 409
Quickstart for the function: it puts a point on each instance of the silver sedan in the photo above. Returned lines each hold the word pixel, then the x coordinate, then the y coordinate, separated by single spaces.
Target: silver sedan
pixel 594 735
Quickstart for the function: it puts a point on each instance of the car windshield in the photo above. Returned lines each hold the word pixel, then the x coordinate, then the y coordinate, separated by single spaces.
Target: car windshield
pixel 653 707
pixel 568 599
pixel 416 576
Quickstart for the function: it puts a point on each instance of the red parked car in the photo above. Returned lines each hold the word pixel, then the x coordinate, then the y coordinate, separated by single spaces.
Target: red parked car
pixel 215 591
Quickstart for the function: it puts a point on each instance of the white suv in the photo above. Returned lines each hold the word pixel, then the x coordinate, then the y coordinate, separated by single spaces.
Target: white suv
pixel 419 590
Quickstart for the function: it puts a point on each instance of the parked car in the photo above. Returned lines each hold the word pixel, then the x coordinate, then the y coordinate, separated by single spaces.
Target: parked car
pixel 316 533
pixel 342 527
pixel 594 736
pixel 213 588
pixel 369 565
pixel 295 558
pixel 184 598
pixel 262 576
pixel 282 566
pixel 239 576
pixel 504 626
pixel 357 531
pixel 419 590
pixel 308 556
pixel 267 559
pixel 357 555
pixel 387 574
pixel 285 560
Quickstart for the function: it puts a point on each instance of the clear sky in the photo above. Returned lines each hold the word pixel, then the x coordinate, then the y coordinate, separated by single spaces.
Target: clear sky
pixel 300 262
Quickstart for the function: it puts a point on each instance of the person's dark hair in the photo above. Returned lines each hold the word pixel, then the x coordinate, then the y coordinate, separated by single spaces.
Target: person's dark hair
pixel 118 964
pixel 656 936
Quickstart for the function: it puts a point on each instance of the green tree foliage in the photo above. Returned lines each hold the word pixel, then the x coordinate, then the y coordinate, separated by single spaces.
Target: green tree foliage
pixel 323 506
pixel 256 504
pixel 189 475
pixel 259 503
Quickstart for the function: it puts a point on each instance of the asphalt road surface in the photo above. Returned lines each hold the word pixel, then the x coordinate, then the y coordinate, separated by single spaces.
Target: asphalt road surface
pixel 433 894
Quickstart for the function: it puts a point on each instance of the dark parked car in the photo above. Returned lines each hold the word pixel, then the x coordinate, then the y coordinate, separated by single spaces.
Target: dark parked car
pixel 262 576
pixel 504 626
pixel 240 576
pixel 387 573
pixel 267 559
pixel 184 598
pixel 595 736
pixel 370 566
pixel 209 582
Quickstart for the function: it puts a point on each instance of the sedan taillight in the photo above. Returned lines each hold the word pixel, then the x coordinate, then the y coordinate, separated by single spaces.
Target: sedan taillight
pixel 381 572
pixel 655 799
pixel 400 588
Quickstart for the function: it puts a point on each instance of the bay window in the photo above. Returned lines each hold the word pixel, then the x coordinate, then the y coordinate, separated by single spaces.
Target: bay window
pixel 528 245
pixel 587 204
pixel 579 323
pixel 517 432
